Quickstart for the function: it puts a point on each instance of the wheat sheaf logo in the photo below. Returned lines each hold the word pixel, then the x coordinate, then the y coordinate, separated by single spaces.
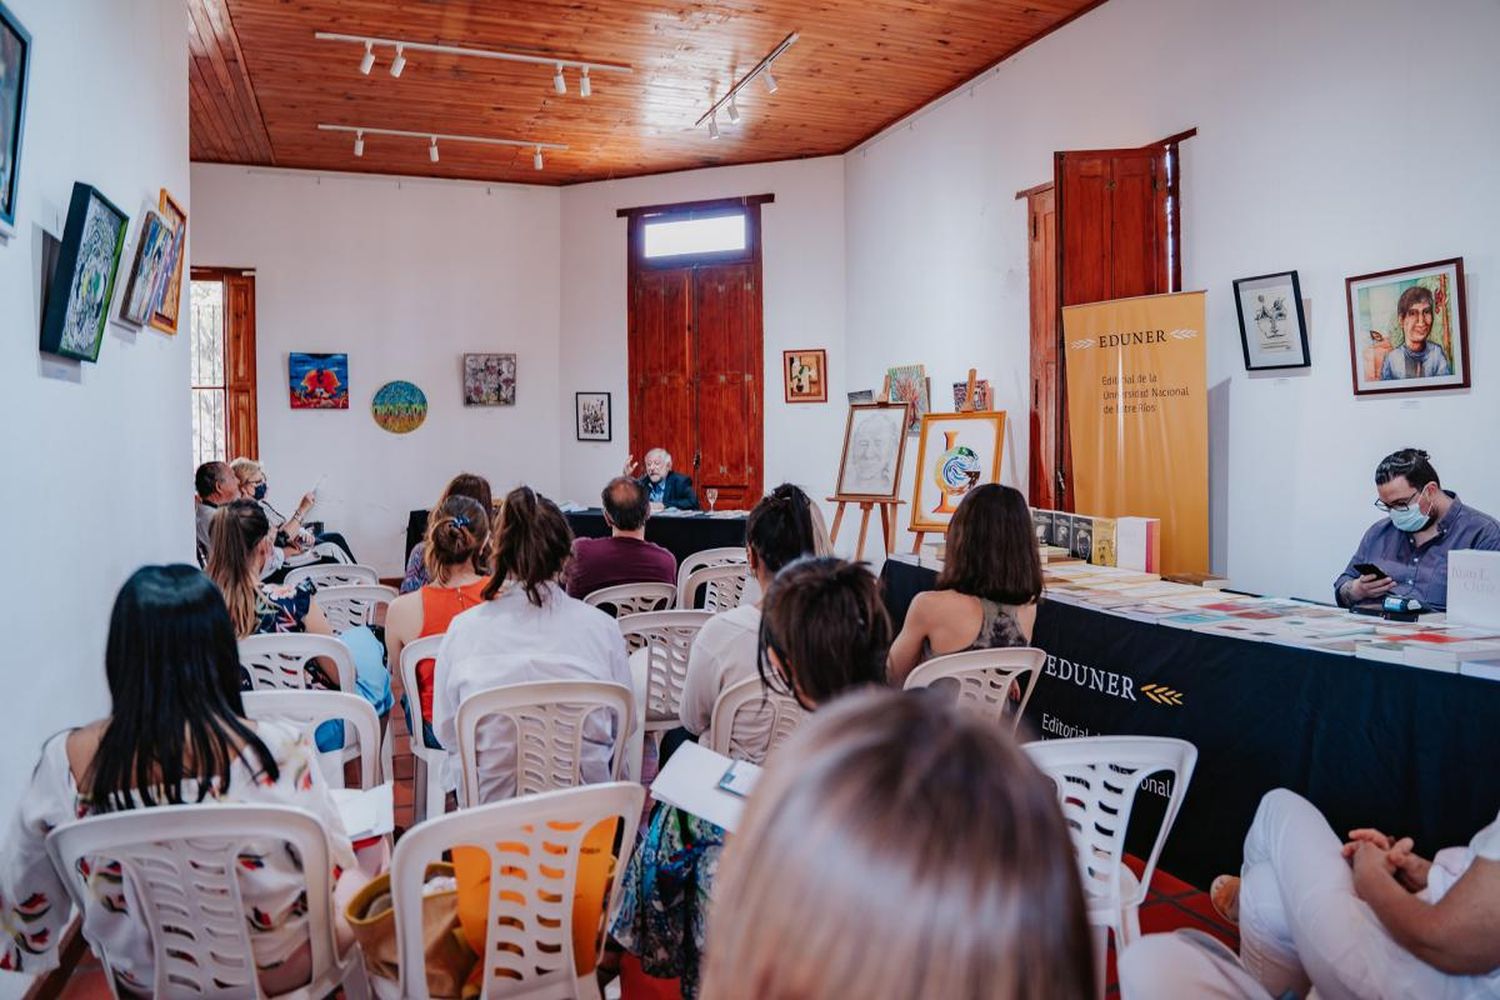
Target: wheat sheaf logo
pixel 1161 694
pixel 1083 344
pixel 1183 334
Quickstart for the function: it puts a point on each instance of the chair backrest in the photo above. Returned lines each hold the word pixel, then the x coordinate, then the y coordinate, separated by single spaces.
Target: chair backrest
pixel 724 587
pixel 535 845
pixel 750 721
pixel 633 598
pixel 332 575
pixel 412 653
pixel 351 605
pixel 665 637
pixel 548 719
pixel 279 660
pixel 1098 778
pixel 985 679
pixel 183 862
pixel 709 557
pixel 310 709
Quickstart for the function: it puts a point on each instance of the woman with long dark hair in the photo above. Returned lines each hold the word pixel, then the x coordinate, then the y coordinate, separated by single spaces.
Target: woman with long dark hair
pixel 176 734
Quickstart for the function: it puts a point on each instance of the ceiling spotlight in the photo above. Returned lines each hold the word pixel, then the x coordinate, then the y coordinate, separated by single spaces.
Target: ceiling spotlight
pixel 734 111
pixel 432 153
pixel 584 87
pixel 558 83
pixel 536 158
pixel 399 63
pixel 770 80
pixel 713 126
pixel 359 144
pixel 368 62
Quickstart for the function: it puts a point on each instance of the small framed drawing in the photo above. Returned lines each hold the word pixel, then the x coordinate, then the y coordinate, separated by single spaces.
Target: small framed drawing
pixel 956 452
pixel 593 416
pixel 83 285
pixel 805 376
pixel 489 380
pixel 874 445
pixel 15 66
pixel 1273 330
pixel 1407 330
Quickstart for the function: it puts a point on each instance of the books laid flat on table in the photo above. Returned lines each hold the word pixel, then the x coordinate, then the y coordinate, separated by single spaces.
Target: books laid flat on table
pixel 1488 668
pixel 691 782
pixel 366 812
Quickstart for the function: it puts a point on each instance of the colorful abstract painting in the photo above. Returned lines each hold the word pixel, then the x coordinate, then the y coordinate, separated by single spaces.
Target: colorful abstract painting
pixel 84 283
pixel 15 61
pixel 908 384
pixel 169 286
pixel 489 379
pixel 319 381
pixel 399 407
pixel 152 251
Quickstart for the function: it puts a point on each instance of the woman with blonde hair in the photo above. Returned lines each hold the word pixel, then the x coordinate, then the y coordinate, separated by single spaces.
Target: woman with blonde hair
pixel 295 545
pixel 900 848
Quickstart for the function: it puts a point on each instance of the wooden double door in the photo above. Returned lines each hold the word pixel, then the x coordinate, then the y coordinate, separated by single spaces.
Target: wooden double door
pixel 695 374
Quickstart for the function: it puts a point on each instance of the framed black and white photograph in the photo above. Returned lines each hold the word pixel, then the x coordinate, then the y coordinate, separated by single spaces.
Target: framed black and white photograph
pixel 1273 329
pixel 593 416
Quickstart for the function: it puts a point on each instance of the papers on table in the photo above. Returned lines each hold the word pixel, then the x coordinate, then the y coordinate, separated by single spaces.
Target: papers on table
pixel 690 781
pixel 366 812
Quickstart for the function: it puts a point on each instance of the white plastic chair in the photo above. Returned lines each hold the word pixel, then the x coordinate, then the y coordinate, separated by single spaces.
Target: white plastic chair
pixel 183 862
pixel 428 796
pixel 333 575
pixel 547 731
pixel 535 845
pixel 984 678
pixel 279 660
pixel 633 598
pixel 1098 778
pixel 353 604
pixel 663 639
pixel 709 557
pixel 749 721
pixel 724 587
pixel 310 709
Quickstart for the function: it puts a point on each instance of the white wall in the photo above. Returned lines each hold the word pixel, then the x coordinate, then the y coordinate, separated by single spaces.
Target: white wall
pixel 1315 120
pixel 405 277
pixel 802 265
pixel 97 457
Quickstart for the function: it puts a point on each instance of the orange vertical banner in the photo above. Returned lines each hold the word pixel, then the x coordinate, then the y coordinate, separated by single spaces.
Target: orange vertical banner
pixel 1138 417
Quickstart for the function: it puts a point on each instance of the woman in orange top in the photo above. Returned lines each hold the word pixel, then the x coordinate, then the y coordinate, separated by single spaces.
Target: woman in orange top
pixel 457 559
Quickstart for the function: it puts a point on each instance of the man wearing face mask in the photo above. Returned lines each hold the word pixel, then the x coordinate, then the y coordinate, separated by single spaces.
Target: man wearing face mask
pixel 664 488
pixel 1410 545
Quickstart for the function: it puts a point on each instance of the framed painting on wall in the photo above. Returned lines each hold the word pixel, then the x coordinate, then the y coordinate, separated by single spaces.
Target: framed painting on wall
pixel 804 375
pixel 318 381
pixel 169 288
pixel 1273 330
pixel 84 283
pixel 149 263
pixel 399 407
pixel 955 453
pixel 489 380
pixel 1406 329
pixel 15 66
pixel 874 446
pixel 592 416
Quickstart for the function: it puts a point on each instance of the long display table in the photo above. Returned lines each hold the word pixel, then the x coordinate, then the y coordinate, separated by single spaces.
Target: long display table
pixel 1406 750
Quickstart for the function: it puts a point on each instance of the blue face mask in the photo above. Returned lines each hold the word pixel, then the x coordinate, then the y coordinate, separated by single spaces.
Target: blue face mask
pixel 260 491
pixel 1411 519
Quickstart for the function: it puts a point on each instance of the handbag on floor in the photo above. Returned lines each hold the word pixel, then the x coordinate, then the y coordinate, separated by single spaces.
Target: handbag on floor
pixel 372 918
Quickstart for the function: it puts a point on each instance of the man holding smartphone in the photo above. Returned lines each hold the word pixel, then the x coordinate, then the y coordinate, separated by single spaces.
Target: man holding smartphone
pixel 1405 554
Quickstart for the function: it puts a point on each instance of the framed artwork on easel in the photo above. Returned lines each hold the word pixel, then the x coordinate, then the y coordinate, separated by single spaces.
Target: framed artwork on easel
pixel 955 453
pixel 874 447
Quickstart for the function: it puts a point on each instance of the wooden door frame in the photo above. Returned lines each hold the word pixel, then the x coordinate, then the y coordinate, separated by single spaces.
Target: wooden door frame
pixel 246 444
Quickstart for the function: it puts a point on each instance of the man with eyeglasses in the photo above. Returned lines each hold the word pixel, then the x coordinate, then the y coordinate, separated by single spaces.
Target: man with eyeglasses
pixel 1410 546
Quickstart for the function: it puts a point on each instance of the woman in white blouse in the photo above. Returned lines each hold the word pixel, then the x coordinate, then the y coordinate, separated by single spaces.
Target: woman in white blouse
pixel 176 734
pixel 528 629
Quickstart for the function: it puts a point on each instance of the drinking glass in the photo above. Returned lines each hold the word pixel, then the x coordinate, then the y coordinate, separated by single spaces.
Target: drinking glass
pixel 713 496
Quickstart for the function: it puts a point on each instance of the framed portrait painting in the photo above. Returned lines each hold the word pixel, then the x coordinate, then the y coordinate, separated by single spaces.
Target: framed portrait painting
pixel 1407 331
pixel 955 453
pixel 15 67
pixel 1273 330
pixel 591 413
pixel 169 286
pixel 489 380
pixel 84 283
pixel 874 446
pixel 804 375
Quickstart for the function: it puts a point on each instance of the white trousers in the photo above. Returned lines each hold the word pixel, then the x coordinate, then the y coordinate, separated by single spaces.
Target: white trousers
pixel 1301 923
pixel 1186 965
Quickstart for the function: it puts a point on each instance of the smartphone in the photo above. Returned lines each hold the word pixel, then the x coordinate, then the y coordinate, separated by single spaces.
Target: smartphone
pixel 1370 569
pixel 739 780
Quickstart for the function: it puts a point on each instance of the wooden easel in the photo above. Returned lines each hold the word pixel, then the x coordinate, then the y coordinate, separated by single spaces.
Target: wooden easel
pixel 968 407
pixel 887 522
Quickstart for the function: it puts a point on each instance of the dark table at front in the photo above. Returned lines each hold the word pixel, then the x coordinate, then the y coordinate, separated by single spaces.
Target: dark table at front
pixel 680 534
pixel 1408 751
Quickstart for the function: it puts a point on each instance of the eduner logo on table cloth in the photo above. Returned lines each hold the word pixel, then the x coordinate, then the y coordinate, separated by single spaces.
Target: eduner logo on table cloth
pixel 1109 682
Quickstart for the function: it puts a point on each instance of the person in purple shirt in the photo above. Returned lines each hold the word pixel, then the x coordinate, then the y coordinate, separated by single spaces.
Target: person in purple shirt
pixel 1423 523
pixel 626 556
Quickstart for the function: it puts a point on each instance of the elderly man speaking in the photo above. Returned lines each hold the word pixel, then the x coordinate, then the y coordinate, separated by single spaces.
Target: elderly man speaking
pixel 664 488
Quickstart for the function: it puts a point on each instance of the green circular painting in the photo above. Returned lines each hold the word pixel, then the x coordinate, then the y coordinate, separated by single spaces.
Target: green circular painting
pixel 399 407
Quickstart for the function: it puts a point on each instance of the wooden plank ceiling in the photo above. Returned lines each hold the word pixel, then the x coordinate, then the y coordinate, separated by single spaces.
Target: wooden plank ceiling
pixel 261 84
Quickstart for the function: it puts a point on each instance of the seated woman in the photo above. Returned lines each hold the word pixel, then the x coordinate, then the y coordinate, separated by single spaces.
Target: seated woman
pixel 899 847
pixel 987 591
pixel 176 734
pixel 465 484
pixel 457 551
pixel 824 632
pixel 541 633
pixel 299 545
pixel 726 650
pixel 241 543
pixel 1366 918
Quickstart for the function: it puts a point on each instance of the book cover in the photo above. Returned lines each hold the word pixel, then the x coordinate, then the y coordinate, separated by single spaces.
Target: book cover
pixel 1488 668
pixel 1384 651
pixel 1062 530
pixel 1474 587
pixel 1041 521
pixel 1138 543
pixel 1104 542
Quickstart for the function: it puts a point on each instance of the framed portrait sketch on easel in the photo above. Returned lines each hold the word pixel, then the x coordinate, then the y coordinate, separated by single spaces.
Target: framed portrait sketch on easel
pixel 874 446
